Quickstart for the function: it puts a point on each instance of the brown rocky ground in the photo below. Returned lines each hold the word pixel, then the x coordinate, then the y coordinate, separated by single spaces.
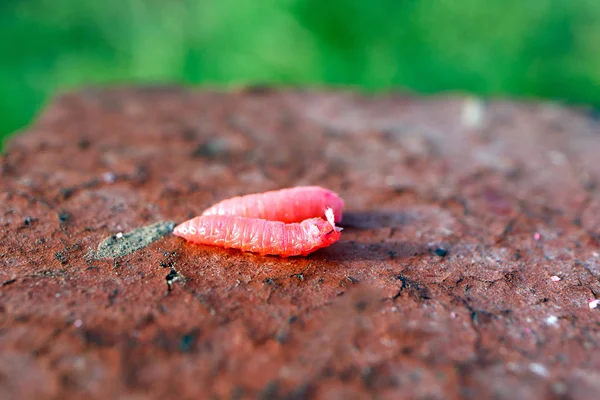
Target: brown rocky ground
pixel 458 214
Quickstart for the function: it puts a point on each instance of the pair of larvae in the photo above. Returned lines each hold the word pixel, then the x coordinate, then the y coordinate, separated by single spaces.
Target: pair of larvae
pixel 288 222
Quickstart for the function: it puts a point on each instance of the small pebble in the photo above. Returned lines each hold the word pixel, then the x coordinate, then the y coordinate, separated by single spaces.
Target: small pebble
pixel 555 278
pixel 78 323
pixel 594 303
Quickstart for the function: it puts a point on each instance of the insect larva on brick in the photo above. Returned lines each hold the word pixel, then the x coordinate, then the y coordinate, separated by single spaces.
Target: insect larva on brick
pixel 286 205
pixel 260 235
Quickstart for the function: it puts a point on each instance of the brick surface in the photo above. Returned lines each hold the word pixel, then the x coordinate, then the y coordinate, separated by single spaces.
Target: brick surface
pixel 459 213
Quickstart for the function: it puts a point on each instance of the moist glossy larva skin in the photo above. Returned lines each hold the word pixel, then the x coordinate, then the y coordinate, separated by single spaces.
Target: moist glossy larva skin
pixel 286 205
pixel 260 235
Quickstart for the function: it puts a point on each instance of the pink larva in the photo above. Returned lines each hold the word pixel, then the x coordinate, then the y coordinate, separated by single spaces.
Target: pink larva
pixel 286 205
pixel 260 235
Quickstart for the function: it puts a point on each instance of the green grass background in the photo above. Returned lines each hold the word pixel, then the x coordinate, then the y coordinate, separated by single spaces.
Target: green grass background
pixel 524 48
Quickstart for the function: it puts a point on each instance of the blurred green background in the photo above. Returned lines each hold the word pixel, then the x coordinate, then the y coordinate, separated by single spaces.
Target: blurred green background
pixel 540 48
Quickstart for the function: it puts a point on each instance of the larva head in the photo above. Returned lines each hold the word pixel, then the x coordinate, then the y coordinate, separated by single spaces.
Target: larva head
pixel 320 232
pixel 330 233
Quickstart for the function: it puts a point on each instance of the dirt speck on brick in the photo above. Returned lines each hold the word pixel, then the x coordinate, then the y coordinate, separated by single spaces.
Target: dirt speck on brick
pixel 121 244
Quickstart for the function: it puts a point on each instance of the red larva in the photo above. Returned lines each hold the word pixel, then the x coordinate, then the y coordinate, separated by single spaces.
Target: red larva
pixel 260 235
pixel 287 205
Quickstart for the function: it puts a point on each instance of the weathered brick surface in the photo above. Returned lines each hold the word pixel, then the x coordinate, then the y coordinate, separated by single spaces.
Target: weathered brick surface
pixel 508 190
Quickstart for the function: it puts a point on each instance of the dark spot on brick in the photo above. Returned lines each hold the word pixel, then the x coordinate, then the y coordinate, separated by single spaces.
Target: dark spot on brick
pixel 441 252
pixel 112 296
pixel 302 392
pixel 62 257
pixel 361 305
pixel 211 149
pixel 369 377
pixel 64 216
pixel 188 341
pixel 84 143
pixel 480 317
pixel 169 260
pixel 418 291
pixel 8 282
pixel 347 374
pixel 96 337
pixel 141 175
pixel 407 350
pixel 171 276
pixel 281 336
pixel 67 192
pixel 270 391
pixel 28 221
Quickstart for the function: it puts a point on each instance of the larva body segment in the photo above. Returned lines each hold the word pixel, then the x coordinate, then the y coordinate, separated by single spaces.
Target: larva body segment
pixel 286 205
pixel 260 235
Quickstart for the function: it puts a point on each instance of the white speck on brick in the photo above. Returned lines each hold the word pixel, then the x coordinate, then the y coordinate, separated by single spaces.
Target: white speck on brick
pixel 109 177
pixel 594 303
pixel 119 235
pixel 552 320
pixel 473 113
pixel 555 278
pixel 78 323
pixel 538 369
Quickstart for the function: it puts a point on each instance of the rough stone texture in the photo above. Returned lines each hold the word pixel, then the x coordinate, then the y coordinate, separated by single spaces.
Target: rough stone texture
pixel 508 190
